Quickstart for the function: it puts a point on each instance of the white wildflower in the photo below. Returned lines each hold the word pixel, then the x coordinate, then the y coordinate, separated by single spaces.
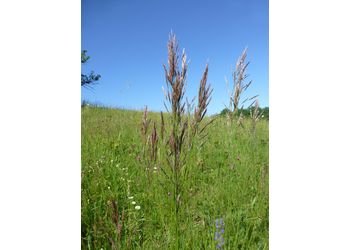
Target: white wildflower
pixel 155 168
pixel 131 197
pixel 133 202
pixel 109 187
pixel 137 207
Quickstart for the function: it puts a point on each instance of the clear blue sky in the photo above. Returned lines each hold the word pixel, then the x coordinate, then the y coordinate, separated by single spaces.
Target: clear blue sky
pixel 127 41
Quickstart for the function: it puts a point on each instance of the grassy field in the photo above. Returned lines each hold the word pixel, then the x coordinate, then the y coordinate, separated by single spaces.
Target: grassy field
pixel 224 191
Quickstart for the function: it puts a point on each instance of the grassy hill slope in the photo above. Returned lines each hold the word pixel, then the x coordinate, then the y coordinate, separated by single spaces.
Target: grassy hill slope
pixel 226 184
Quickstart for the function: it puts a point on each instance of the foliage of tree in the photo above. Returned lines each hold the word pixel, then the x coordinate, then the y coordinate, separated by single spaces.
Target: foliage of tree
pixel 92 78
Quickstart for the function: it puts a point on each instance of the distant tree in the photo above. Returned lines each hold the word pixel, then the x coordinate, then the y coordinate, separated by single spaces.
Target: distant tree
pixel 224 112
pixel 246 112
pixel 266 112
pixel 92 78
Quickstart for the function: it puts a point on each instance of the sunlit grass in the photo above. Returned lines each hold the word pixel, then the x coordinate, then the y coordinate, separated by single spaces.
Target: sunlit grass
pixel 227 178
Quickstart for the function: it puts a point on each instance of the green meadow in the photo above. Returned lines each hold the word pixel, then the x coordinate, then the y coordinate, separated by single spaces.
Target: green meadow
pixel 127 203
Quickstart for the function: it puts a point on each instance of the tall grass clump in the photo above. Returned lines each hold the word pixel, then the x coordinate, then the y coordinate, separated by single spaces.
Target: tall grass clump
pixel 179 127
pixel 176 80
pixel 176 87
pixel 235 116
